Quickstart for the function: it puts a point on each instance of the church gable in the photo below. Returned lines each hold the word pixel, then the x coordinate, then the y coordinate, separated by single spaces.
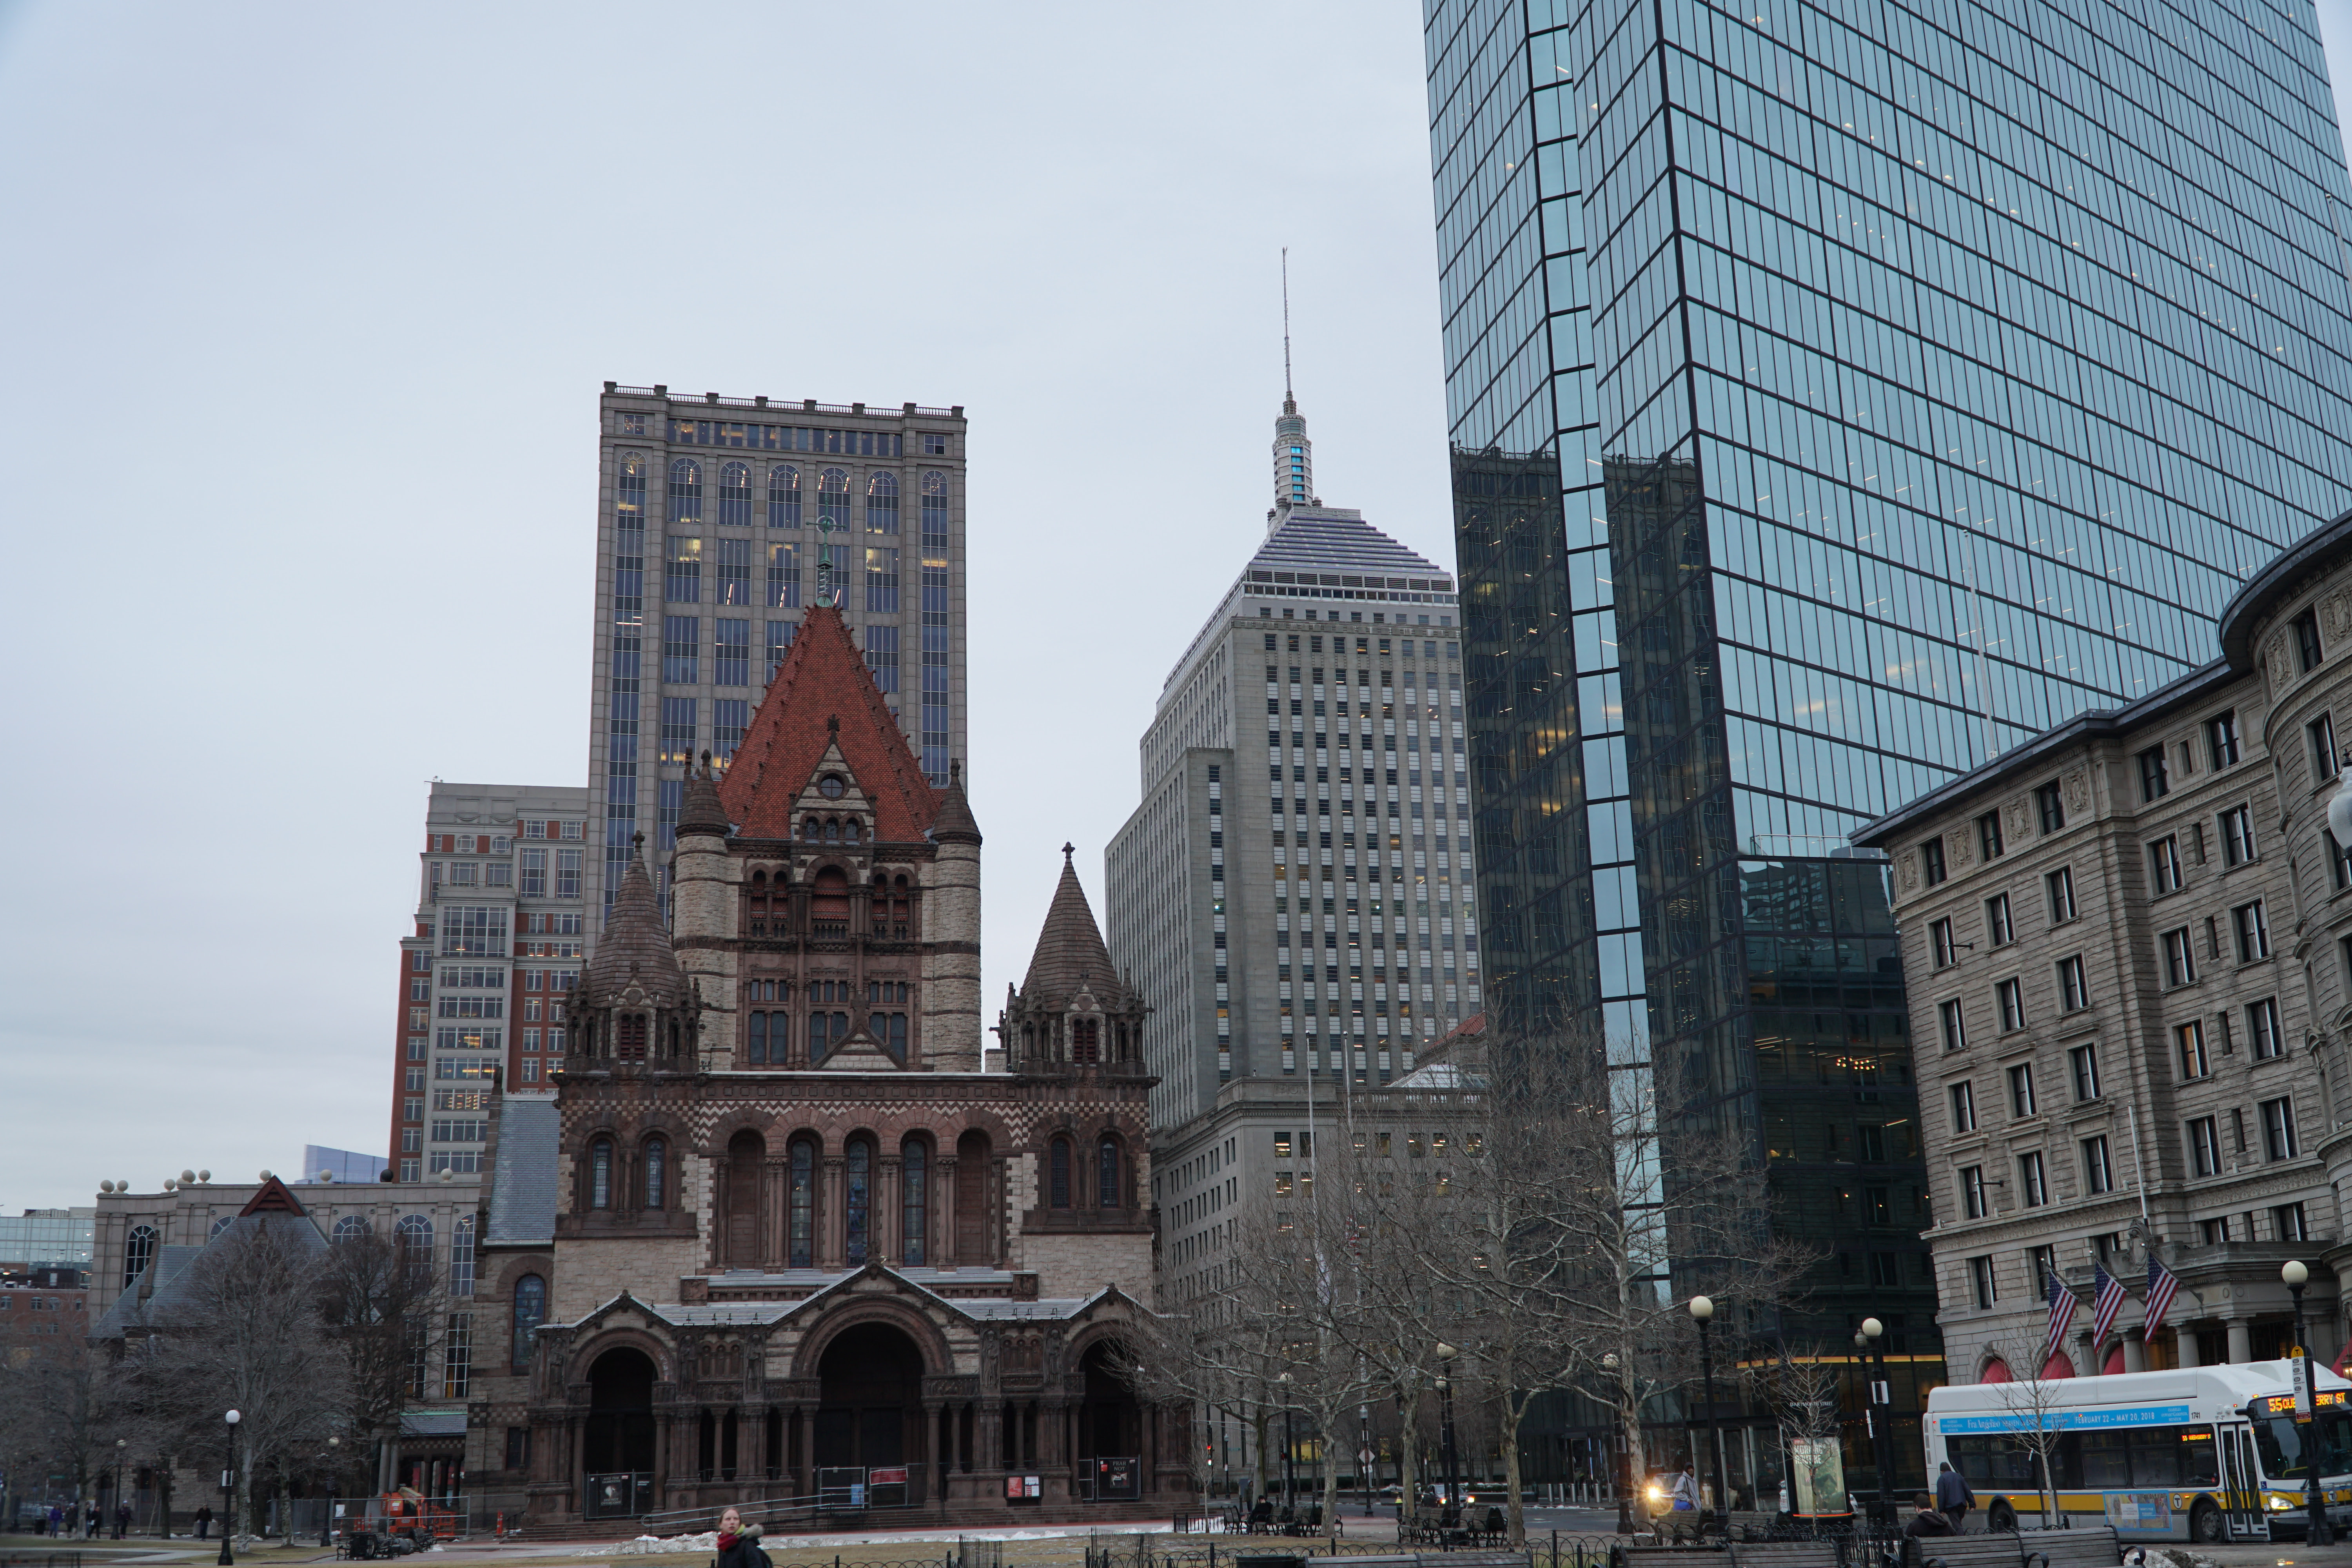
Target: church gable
pixel 824 705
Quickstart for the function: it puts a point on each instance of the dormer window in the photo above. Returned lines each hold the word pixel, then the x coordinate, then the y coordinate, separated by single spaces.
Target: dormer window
pixel 811 830
pixel 1086 1040
pixel 830 787
pixel 849 831
pixel 832 830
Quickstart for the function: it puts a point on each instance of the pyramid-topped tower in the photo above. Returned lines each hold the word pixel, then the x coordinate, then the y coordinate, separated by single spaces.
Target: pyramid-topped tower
pixel 1074 1011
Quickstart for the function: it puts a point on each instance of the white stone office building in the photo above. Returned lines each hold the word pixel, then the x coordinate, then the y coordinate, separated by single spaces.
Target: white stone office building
pixel 2127 946
pixel 718 520
pixel 1295 891
pixel 492 952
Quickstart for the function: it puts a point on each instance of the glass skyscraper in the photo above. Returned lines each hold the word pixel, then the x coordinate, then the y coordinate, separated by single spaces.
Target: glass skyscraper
pixel 1839 393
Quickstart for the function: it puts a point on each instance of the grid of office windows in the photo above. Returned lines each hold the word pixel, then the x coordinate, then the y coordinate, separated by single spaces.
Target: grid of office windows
pixel 740 535
pixel 1908 392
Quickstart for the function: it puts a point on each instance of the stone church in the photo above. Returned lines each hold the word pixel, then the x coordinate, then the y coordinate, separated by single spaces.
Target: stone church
pixel 788 1231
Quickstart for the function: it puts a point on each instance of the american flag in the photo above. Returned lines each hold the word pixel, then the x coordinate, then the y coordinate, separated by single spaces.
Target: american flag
pixel 2160 1287
pixel 2062 1313
pixel 2108 1302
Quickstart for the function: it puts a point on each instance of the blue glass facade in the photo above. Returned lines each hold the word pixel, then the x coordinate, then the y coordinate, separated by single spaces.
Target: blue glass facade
pixel 1910 377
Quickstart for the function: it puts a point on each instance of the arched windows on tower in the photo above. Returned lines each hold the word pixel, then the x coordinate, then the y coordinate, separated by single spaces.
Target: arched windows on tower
pixel 783 496
pixel 856 1199
pixel 935 511
pixel 684 490
pixel 529 1312
pixel 140 1251
pixel 882 502
pixel 915 1201
pixel 800 1239
pixel 600 1173
pixel 1107 1182
pixel 832 498
pixel 1058 1181
pixel 735 495
pixel 657 1172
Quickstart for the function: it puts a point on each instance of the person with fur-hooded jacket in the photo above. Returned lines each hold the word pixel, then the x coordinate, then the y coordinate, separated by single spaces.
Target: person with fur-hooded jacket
pixel 738 1544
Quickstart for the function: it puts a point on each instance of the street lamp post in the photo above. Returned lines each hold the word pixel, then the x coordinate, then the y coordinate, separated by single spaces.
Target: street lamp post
pixel 334 1480
pixel 1702 1310
pixel 1879 1404
pixel 227 1558
pixel 2316 1531
pixel 1289 1483
pixel 1623 1467
pixel 1450 1516
pixel 121 1444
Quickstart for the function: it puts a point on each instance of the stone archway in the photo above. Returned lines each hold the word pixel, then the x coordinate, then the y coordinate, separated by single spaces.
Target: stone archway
pixel 618 1438
pixel 1110 1417
pixel 870 1401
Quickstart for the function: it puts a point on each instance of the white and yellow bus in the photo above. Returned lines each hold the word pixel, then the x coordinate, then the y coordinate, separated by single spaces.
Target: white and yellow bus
pixel 2208 1453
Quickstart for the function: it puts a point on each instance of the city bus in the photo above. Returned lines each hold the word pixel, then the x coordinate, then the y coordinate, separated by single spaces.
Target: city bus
pixel 2208 1453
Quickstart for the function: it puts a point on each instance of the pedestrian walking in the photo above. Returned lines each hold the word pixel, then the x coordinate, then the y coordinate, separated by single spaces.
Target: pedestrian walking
pixel 56 1517
pixel 121 1520
pixel 204 1522
pixel 1954 1498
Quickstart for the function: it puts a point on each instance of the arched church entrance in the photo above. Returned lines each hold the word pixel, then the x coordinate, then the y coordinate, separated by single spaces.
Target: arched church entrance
pixel 617 1442
pixel 1110 1436
pixel 870 1411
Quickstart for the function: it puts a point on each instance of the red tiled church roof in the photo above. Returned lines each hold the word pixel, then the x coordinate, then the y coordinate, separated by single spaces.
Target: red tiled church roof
pixel 823 677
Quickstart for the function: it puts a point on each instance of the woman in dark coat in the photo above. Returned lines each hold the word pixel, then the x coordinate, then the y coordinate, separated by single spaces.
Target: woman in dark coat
pixel 738 1544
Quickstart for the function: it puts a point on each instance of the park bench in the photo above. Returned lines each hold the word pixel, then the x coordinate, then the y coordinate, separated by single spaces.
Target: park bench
pixel 2093 1546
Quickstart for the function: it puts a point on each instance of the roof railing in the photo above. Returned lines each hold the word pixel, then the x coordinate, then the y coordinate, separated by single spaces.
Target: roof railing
pixel 787 405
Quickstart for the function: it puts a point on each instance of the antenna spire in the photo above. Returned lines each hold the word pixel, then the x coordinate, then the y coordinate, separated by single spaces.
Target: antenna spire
pixel 1294 455
pixel 1289 402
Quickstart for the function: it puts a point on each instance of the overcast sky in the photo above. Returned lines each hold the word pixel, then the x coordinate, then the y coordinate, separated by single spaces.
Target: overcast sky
pixel 308 309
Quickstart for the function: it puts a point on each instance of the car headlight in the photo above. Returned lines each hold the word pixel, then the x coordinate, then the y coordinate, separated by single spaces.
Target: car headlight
pixel 2274 1501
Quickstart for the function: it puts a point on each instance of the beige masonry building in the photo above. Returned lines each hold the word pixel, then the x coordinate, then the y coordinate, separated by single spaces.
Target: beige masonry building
pixel 2128 945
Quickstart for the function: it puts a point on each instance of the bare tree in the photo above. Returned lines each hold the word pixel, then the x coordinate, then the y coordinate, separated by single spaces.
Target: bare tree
pixel 1560 1196
pixel 2031 1408
pixel 55 1414
pixel 247 1334
pixel 1800 1384
pixel 380 1299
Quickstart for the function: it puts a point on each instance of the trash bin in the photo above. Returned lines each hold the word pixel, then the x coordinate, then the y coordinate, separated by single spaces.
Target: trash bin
pixel 1269 1560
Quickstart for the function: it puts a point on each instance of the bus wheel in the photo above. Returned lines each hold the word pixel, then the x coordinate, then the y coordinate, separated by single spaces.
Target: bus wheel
pixel 2205 1523
pixel 2001 1519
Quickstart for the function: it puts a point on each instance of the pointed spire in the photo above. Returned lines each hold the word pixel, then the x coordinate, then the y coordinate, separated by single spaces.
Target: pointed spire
pixel 954 821
pixel 700 811
pixel 635 948
pixel 1070 955
pixel 1293 454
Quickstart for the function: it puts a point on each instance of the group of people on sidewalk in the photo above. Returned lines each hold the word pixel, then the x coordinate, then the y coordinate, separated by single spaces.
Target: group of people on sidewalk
pixel 87 1523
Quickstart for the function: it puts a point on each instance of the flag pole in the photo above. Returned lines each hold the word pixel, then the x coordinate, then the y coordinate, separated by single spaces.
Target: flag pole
pixel 2139 1176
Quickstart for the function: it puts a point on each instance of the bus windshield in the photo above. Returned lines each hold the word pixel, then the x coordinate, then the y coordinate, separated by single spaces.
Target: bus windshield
pixel 2284 1443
